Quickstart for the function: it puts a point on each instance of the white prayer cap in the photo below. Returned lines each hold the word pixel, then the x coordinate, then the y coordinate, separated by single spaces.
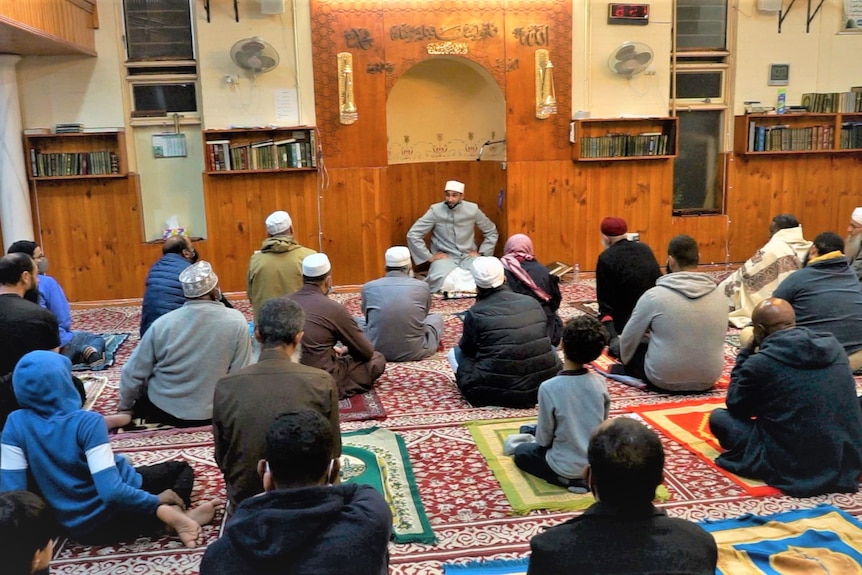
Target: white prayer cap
pixel 397 257
pixel 856 216
pixel 278 223
pixel 198 279
pixel 454 186
pixel 488 272
pixel 315 265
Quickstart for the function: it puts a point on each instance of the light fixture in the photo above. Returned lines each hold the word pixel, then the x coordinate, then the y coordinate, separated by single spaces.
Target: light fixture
pixel 347 113
pixel 546 100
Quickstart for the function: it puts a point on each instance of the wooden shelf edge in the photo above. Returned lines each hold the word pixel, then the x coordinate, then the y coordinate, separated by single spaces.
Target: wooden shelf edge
pixel 798 152
pixel 77 177
pixel 274 171
pixel 617 158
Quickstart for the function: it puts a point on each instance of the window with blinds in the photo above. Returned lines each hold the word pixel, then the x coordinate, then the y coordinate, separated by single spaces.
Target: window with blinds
pixel 158 30
pixel 701 25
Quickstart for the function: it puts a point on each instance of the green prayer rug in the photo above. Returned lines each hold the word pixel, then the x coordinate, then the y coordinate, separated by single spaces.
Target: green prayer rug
pixel 378 457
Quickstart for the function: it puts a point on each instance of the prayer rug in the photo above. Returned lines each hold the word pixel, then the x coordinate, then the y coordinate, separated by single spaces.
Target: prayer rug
pixel 525 492
pixel 378 457
pixel 687 422
pixel 361 407
pixel 498 567
pixel 819 540
pixel 112 342
pixel 604 364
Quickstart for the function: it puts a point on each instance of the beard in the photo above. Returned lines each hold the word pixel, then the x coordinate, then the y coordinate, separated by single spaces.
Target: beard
pixel 806 259
pixel 32 294
pixel 852 245
pixel 296 356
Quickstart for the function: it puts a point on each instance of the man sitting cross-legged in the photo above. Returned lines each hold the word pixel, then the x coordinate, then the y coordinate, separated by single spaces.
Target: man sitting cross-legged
pixel 623 532
pixel 247 401
pixel 332 340
pixel 504 354
pixel 78 346
pixel 396 310
pixel 171 375
pixel 792 417
pixel 674 339
pixel 571 406
pixel 97 497
pixel 305 522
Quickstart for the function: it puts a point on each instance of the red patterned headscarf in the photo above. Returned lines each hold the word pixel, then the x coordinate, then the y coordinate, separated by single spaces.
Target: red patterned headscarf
pixel 519 248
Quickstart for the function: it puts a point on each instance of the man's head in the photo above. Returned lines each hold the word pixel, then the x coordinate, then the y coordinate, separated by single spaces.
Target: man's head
pixel 33 250
pixel 298 451
pixel 782 222
pixel 317 270
pixel 613 230
pixel 584 338
pixel 854 235
pixel 454 193
pixel 279 224
pixel 181 245
pixel 855 228
pixel 682 254
pixel 626 462
pixel 488 273
pixel 397 259
pixel 280 323
pixel 200 282
pixel 18 274
pixel 825 243
pixel 771 315
pixel 27 529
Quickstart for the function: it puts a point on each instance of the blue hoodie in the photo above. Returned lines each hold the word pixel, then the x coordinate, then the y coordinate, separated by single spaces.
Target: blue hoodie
pixel 67 450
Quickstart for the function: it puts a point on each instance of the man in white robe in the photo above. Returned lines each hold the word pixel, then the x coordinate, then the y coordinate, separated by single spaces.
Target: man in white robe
pixel 758 277
pixel 853 243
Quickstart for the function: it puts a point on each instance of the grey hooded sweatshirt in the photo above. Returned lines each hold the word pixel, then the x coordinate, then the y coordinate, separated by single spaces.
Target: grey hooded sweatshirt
pixel 685 318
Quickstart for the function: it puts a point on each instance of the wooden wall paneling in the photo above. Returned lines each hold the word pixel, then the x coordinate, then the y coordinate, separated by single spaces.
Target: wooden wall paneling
pixel 355 224
pixel 710 231
pixel 531 25
pixel 358 29
pixel 55 21
pixel 820 190
pixel 96 254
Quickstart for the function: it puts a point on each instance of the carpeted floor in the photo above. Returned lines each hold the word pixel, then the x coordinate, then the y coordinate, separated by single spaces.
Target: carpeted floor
pixel 468 511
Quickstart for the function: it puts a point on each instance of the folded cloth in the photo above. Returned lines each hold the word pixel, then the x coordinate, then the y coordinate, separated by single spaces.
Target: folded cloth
pixel 515 440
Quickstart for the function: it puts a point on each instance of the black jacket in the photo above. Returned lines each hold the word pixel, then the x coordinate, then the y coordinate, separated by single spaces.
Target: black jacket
pixel 506 353
pixel 321 530
pixel 551 285
pixel 624 272
pixel 807 438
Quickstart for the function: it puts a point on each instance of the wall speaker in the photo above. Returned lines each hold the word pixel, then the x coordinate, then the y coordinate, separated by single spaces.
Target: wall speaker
pixel 272 6
pixel 769 5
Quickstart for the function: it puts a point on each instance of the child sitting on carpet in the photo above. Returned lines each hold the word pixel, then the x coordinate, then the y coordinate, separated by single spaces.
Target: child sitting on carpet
pixel 571 406
pixel 26 533
pixel 96 496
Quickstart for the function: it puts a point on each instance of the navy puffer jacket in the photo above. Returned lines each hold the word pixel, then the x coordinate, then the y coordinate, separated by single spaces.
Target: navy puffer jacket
pixel 164 291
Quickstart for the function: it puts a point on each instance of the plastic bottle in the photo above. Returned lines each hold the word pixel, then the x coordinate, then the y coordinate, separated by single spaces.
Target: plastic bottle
pixel 576 273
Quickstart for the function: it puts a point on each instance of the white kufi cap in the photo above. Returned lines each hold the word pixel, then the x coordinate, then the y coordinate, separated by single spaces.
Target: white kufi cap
pixel 278 223
pixel 856 216
pixel 397 257
pixel 454 186
pixel 315 265
pixel 198 279
pixel 488 272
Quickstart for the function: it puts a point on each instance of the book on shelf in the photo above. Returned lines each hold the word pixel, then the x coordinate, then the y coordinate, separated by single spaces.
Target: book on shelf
pixel 36 131
pixel 559 269
pixel 97 130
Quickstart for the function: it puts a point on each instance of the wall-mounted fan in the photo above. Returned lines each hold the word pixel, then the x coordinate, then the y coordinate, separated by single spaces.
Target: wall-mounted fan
pixel 254 55
pixel 630 58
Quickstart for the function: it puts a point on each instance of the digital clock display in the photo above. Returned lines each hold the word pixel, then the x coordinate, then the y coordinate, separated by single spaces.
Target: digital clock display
pixel 628 14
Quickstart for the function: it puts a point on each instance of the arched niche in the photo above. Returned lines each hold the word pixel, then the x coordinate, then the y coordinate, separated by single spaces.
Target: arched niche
pixel 443 109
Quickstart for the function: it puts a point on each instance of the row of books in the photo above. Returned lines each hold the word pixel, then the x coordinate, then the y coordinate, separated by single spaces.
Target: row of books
pixel 261 155
pixel 851 135
pixel 783 138
pixel 625 145
pixel 73 164
pixel 834 102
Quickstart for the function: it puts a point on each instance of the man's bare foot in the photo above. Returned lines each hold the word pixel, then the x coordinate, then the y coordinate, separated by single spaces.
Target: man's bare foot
pixel 203 514
pixel 186 528
pixel 118 420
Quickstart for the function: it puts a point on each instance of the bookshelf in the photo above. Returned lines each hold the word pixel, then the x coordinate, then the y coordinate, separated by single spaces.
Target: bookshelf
pixel 80 155
pixel 612 139
pixel 260 150
pixel 803 133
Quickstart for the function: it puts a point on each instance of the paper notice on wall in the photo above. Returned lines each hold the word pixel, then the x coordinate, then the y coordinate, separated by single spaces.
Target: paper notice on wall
pixel 287 107
pixel 853 15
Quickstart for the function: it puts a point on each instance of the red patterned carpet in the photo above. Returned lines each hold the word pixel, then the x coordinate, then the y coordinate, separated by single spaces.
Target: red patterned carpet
pixel 468 511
